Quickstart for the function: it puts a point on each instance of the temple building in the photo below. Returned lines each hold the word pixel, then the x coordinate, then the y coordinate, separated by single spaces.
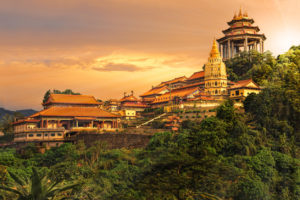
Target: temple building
pixel 241 89
pixel 131 107
pixel 162 88
pixel 63 115
pixel 240 36
pixel 215 77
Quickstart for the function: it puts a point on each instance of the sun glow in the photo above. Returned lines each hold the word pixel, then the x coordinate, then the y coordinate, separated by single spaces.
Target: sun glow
pixel 284 40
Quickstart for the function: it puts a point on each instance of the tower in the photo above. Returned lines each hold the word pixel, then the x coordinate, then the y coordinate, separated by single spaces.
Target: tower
pixel 240 36
pixel 215 78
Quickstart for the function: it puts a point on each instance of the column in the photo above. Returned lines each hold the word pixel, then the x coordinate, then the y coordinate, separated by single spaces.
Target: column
pixel 76 123
pixel 92 123
pixel 260 46
pixel 46 126
pixel 228 49
pixel 262 43
pixel 220 49
pixel 246 44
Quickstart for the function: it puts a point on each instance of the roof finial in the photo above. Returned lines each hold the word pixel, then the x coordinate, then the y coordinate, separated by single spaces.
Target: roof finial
pixel 240 12
pixel 245 14
pixel 234 16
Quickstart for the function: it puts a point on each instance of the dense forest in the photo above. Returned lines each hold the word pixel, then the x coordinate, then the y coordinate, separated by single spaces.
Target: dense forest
pixel 251 155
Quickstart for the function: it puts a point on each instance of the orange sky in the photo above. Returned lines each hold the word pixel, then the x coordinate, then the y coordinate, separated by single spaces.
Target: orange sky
pixel 106 47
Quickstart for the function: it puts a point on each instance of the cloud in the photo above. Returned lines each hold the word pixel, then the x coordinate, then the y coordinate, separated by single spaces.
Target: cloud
pixel 121 67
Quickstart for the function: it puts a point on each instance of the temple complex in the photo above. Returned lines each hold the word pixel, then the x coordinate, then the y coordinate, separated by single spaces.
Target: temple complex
pixel 63 115
pixel 240 36
pixel 205 88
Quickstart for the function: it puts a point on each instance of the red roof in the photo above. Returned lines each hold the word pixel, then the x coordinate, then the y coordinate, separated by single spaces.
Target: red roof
pixel 154 91
pixel 26 121
pixel 129 98
pixel 175 80
pixel 132 104
pixel 177 92
pixel 197 75
pixel 71 99
pixel 193 85
pixel 74 112
pixel 245 84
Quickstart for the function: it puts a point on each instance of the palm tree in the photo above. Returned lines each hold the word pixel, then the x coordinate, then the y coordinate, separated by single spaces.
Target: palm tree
pixel 39 187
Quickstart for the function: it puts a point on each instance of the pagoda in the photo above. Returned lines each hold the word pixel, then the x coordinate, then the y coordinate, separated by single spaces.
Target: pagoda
pixel 215 78
pixel 240 36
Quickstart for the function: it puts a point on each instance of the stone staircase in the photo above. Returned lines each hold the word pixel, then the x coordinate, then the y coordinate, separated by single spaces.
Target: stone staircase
pixel 151 120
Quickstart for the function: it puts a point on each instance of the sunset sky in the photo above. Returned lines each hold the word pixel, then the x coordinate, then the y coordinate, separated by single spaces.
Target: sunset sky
pixel 106 47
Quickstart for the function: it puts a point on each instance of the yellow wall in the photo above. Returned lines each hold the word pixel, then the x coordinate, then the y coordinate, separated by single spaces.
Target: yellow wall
pixel 242 92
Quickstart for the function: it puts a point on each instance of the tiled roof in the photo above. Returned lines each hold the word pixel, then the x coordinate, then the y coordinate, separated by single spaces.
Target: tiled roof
pixel 178 92
pixel 129 98
pixel 245 84
pixel 196 75
pixel 26 121
pixel 71 99
pixel 194 85
pixel 175 80
pixel 74 112
pixel 154 91
pixel 132 104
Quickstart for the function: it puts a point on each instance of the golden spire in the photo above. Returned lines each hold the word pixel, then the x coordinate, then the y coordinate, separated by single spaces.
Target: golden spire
pixel 240 13
pixel 214 51
pixel 245 14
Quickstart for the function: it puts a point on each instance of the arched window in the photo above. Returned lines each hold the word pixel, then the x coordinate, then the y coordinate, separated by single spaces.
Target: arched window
pixel 216 91
pixel 216 83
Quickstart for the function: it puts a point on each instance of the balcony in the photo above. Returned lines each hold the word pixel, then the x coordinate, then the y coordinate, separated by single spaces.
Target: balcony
pixel 28 130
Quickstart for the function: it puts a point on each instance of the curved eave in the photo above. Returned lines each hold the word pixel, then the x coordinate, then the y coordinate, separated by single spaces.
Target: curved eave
pixel 240 20
pixel 241 27
pixel 239 35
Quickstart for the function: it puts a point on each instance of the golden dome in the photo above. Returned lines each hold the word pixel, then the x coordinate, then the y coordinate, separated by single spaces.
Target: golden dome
pixel 214 51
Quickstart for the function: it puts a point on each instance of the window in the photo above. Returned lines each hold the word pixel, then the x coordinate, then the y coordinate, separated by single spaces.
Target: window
pixel 59 134
pixel 46 134
pixel 39 135
pixel 52 134
pixel 30 135
pixel 216 83
pixel 237 92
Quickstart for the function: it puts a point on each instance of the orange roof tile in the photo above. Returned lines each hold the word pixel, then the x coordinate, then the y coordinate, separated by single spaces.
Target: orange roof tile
pixel 74 112
pixel 177 92
pixel 132 104
pixel 196 75
pixel 154 91
pixel 245 84
pixel 27 120
pixel 194 85
pixel 71 99
pixel 175 80
pixel 129 98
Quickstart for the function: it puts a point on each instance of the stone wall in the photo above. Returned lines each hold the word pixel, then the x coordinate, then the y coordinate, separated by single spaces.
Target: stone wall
pixel 115 141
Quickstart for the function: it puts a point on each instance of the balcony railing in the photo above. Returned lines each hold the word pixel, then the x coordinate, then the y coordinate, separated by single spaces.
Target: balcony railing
pixel 39 129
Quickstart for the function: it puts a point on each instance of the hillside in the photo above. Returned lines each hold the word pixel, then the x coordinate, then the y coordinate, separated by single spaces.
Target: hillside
pixel 25 112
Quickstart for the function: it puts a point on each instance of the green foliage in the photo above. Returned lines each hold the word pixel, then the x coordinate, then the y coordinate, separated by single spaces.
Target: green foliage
pixel 37 187
pixel 251 64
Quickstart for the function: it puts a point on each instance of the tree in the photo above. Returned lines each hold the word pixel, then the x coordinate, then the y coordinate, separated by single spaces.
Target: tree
pixel 39 187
